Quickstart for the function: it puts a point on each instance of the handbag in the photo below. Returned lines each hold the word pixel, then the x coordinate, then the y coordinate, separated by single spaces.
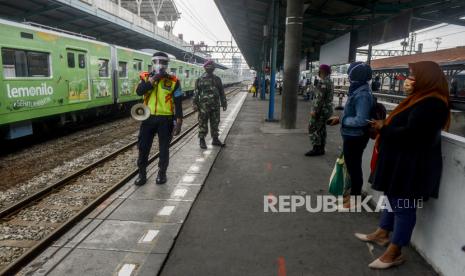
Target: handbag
pixel 339 182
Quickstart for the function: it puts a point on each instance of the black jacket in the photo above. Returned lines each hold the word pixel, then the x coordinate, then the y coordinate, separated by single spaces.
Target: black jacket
pixel 410 159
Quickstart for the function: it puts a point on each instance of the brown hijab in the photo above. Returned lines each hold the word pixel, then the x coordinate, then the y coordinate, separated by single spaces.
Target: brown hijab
pixel 429 82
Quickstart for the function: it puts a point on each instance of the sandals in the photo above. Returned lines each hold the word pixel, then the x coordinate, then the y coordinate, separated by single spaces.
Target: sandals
pixel 378 264
pixel 364 237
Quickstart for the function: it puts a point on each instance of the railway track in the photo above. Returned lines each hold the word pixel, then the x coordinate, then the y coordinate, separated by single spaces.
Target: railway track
pixel 52 211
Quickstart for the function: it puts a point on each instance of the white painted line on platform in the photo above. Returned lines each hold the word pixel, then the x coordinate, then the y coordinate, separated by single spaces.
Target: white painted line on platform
pixel 194 168
pixel 200 159
pixel 166 211
pixel 207 152
pixel 149 236
pixel 126 270
pixel 188 178
pixel 179 193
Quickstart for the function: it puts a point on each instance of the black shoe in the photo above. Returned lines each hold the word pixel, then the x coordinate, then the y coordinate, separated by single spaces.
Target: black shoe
pixel 316 151
pixel 141 180
pixel 217 142
pixel 161 178
pixel 203 144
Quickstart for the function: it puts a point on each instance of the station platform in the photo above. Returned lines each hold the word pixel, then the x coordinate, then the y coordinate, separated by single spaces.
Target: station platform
pixel 209 218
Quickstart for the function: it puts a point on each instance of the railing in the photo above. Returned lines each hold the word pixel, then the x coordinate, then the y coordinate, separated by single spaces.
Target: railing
pixel 134 19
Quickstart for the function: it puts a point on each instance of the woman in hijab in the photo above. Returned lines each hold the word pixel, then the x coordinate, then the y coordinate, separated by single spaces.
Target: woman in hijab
pixel 354 124
pixel 409 164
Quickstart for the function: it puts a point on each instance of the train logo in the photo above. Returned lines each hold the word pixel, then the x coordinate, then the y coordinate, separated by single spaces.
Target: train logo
pixel 20 92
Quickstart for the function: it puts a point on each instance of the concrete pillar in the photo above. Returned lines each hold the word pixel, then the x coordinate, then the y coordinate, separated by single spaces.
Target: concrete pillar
pixel 292 56
pixel 274 50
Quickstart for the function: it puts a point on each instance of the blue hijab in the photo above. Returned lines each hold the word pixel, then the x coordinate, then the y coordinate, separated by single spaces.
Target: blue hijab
pixel 359 74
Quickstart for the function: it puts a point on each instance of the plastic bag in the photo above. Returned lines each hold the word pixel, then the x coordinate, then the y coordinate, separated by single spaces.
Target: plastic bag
pixel 339 182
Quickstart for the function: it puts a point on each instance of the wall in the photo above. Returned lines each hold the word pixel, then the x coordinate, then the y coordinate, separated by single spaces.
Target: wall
pixel 439 234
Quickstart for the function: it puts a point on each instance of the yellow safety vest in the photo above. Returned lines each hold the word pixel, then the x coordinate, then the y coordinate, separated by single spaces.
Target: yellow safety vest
pixel 160 99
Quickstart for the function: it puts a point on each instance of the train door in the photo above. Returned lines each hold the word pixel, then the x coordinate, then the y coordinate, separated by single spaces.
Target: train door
pixel 77 76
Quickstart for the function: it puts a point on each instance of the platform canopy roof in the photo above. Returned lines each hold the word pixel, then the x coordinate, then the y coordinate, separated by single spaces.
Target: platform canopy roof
pixel 325 20
pixel 104 21
pixel 152 10
pixel 446 58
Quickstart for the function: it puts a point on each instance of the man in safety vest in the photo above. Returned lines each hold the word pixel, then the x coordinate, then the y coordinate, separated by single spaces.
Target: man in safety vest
pixel 163 96
pixel 209 93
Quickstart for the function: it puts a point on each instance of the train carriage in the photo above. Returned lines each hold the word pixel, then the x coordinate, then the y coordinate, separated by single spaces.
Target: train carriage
pixel 48 74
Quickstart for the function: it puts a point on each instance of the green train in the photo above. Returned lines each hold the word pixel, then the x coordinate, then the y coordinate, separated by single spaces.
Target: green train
pixel 48 75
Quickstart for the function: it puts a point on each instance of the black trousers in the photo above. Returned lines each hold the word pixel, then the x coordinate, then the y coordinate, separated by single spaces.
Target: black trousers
pixel 353 147
pixel 163 126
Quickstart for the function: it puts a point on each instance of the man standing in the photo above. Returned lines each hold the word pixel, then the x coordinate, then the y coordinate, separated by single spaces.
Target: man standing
pixel 209 93
pixel 322 111
pixel 163 96
pixel 375 84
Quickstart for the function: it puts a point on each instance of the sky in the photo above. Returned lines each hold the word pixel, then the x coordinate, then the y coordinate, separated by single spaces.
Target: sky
pixel 201 21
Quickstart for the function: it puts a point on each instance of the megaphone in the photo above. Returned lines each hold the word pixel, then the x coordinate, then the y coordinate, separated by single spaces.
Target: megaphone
pixel 140 112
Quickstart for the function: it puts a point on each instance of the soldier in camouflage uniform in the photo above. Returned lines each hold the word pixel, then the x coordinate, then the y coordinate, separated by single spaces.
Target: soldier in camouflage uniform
pixel 209 93
pixel 322 110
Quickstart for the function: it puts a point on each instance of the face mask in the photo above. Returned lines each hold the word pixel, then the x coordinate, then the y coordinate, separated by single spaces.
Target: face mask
pixel 409 86
pixel 159 68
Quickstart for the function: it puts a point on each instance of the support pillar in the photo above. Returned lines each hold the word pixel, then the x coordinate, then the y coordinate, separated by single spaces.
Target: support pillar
pixel 263 86
pixel 274 50
pixel 292 56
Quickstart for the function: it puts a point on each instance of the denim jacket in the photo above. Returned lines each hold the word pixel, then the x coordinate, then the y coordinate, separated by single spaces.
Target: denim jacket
pixel 356 112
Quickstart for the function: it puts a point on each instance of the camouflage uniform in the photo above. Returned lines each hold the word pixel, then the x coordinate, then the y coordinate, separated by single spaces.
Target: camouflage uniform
pixel 209 93
pixel 323 109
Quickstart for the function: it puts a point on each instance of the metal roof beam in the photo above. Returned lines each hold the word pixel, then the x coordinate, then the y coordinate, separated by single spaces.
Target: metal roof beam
pixel 69 21
pixel 38 11
pixel 322 30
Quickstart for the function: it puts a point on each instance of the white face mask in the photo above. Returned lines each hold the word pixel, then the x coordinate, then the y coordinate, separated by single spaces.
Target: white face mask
pixel 159 68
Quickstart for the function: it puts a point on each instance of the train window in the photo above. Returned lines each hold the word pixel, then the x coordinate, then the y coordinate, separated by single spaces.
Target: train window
pixel 103 68
pixel 180 71
pixel 8 57
pixel 38 64
pixel 173 71
pixel 137 65
pixel 21 63
pixel 186 73
pixel 82 61
pixel 149 67
pixel 71 62
pixel 123 69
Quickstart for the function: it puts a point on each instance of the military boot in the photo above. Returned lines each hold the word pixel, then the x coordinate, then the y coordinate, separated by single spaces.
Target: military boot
pixel 217 142
pixel 161 177
pixel 316 151
pixel 203 144
pixel 142 179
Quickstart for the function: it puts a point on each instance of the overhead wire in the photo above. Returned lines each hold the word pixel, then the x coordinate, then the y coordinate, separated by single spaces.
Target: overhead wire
pixel 193 22
pixel 192 14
